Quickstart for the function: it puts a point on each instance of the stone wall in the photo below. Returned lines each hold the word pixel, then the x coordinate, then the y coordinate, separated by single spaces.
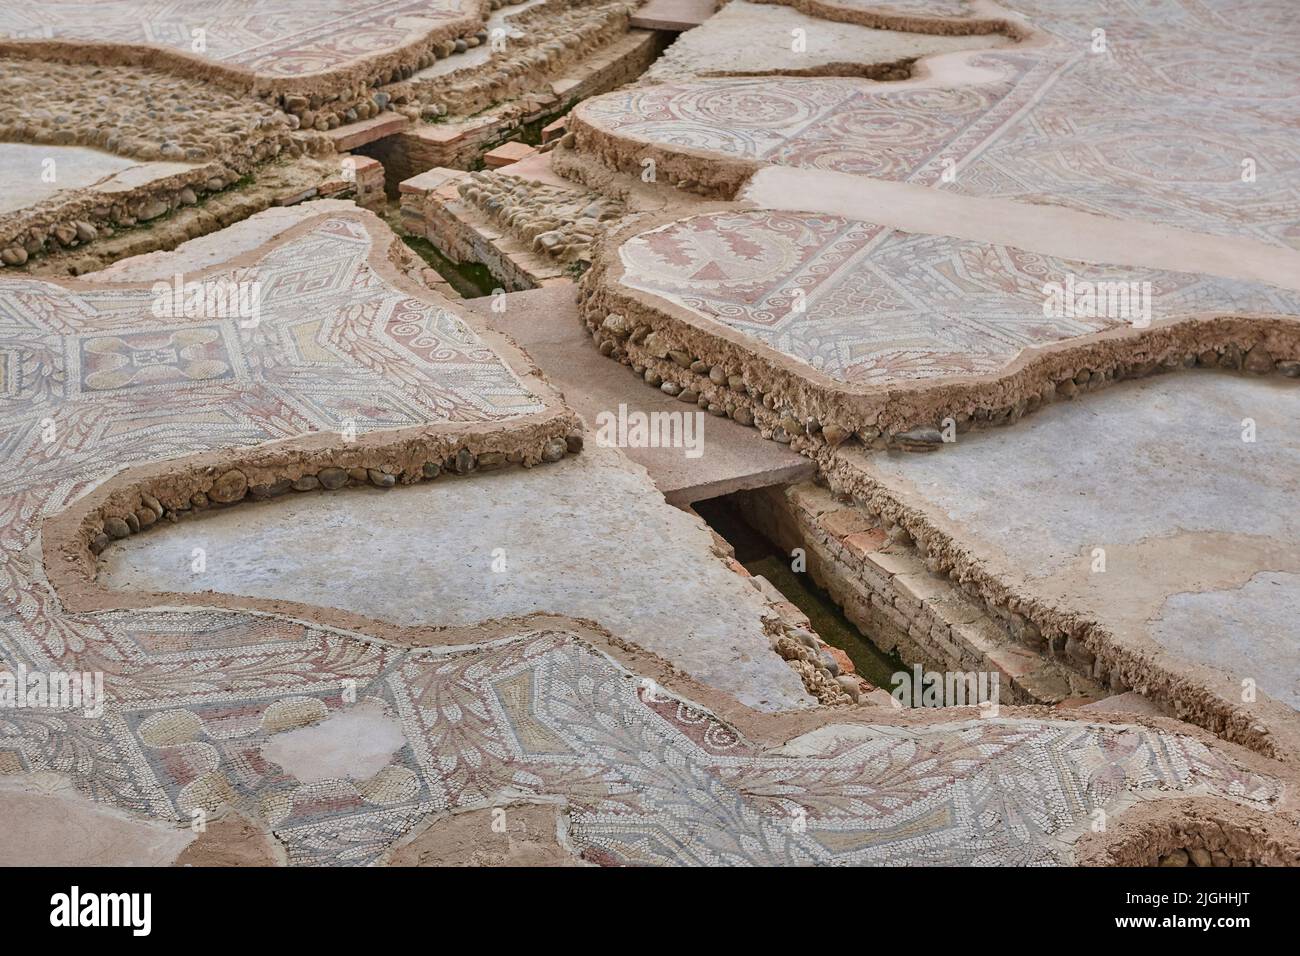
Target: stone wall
pixel 541 43
pixel 560 222
pixel 886 590
pixel 460 144
pixel 433 209
pixel 360 179
pixel 138 113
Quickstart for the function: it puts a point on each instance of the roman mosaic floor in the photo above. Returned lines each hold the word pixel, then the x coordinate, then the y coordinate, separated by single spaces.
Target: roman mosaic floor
pixel 1156 125
pixel 864 303
pixel 517 712
pixel 884 300
pixel 896 267
pixel 355 573
pixel 266 37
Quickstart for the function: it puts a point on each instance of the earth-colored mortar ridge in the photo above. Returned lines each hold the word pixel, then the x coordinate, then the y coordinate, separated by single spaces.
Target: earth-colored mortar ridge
pixel 865 15
pixel 268 186
pixel 1191 833
pixel 707 175
pixel 277 472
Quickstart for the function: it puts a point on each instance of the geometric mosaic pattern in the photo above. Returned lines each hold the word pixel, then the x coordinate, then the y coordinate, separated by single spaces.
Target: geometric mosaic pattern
pixel 193 694
pixel 266 37
pixel 646 781
pixel 869 304
pixel 329 344
pixel 334 347
pixel 1156 127
pixel 95 381
pixel 831 123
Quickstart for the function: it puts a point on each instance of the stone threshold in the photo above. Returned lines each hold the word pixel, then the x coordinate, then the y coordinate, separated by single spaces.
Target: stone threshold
pixel 365 131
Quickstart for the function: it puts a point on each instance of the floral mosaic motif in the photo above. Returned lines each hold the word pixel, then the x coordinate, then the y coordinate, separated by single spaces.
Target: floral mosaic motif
pixel 194 694
pixel 266 37
pixel 1154 127
pixel 864 303
pixel 163 358
pixel 542 715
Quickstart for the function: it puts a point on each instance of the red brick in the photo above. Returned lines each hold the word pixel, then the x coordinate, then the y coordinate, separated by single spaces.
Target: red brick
pixel 505 154
pixel 865 542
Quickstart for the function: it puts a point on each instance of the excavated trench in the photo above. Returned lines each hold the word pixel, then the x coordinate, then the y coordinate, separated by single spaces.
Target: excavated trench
pixel 762 556
pixel 469 279
pixel 871 596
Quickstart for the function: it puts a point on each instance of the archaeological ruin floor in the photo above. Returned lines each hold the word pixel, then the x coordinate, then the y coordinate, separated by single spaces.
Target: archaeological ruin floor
pixel 688 433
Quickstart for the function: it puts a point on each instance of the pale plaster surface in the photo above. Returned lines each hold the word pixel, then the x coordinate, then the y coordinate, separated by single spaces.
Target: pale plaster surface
pixel 1053 230
pixel 1199 528
pixel 757 38
pixel 23 172
pixel 1249 630
pixel 588 536
pixel 546 324
pixel 356 743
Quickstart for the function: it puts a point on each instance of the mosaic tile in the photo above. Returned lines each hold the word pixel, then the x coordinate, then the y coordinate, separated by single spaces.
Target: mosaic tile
pixel 1155 127
pixel 867 304
pixel 280 38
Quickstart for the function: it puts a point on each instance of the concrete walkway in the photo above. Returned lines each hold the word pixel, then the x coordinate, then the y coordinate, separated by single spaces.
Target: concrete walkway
pixel 545 323
pixel 672 15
